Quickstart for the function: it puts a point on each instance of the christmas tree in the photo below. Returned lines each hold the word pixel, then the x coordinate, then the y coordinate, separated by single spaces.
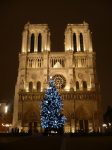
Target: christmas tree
pixel 52 118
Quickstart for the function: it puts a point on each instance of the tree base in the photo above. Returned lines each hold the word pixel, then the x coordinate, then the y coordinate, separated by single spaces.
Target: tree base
pixel 53 131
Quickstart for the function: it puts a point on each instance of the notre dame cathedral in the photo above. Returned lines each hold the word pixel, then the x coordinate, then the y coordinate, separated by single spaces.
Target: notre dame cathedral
pixel 74 73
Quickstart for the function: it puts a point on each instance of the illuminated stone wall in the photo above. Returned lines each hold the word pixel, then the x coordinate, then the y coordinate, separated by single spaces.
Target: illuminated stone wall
pixel 73 70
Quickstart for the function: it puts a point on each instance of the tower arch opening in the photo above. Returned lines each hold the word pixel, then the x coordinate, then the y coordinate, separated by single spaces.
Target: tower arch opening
pixel 74 42
pixel 77 85
pixel 38 86
pixel 84 85
pixel 39 42
pixel 32 43
pixel 81 42
pixel 30 86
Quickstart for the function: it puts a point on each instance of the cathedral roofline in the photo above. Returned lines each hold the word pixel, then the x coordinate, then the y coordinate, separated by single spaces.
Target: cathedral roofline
pixel 29 25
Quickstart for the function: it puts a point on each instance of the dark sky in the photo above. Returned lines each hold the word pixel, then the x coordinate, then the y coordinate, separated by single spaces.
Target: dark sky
pixel 14 14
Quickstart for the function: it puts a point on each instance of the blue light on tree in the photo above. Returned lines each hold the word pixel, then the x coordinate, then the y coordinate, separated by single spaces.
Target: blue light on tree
pixel 51 110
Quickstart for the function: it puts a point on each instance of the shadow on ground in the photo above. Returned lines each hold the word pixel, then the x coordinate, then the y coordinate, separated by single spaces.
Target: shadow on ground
pixel 56 142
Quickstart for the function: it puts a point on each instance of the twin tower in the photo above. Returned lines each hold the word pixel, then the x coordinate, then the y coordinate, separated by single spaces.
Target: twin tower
pixel 74 73
pixel 36 38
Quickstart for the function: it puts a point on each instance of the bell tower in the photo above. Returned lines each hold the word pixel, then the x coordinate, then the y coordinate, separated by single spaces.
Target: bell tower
pixel 81 61
pixel 35 38
pixel 78 38
pixel 33 61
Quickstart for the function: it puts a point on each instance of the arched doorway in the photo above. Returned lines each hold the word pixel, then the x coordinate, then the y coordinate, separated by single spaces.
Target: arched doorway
pixel 82 117
pixel 30 86
pixel 77 85
pixel 84 85
pixel 31 120
pixel 38 86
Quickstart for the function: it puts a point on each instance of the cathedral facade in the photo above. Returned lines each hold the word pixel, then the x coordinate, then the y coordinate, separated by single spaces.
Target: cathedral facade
pixel 74 73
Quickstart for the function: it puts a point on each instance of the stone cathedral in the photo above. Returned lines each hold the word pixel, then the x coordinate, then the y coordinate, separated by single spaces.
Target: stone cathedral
pixel 74 73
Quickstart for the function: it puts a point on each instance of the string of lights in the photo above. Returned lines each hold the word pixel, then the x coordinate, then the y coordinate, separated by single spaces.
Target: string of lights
pixel 51 109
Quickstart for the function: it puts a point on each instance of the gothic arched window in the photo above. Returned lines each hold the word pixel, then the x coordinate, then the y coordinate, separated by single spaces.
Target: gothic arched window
pixel 39 42
pixel 30 86
pixel 84 85
pixel 77 85
pixel 74 42
pixel 81 42
pixel 38 86
pixel 32 43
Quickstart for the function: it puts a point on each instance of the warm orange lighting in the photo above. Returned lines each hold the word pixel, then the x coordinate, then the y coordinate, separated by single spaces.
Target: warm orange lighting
pixel 67 88
pixel 6 109
pixel 27 90
pixel 6 125
pixel 104 125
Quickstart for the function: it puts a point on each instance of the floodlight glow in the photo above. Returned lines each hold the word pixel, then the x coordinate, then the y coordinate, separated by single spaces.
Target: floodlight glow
pixel 50 77
pixel 109 124
pixel 104 125
pixel 6 109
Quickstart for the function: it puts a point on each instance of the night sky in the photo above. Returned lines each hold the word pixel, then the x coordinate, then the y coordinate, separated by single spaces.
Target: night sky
pixel 57 14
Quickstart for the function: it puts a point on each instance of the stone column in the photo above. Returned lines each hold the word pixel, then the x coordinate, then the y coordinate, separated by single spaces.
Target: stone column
pixel 48 41
pixel 36 43
pixel 92 81
pixel 90 41
pixel 68 40
pixel 29 41
pixel 84 41
pixel 78 41
pixel 65 41
pixel 72 41
pixel 15 112
pixel 46 66
pixel 45 40
pixel 42 42
pixel 24 41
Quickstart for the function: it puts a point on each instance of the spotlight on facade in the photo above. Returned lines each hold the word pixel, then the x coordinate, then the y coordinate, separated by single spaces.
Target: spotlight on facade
pixel 6 109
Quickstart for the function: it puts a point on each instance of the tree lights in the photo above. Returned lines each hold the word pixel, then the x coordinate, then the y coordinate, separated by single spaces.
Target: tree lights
pixel 52 118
